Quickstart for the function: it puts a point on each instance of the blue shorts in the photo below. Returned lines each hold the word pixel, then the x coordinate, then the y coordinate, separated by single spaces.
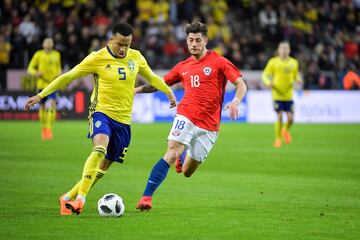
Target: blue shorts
pixel 119 135
pixel 51 96
pixel 285 106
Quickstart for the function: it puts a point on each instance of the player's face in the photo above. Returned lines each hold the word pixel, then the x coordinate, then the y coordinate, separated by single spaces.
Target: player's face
pixel 284 50
pixel 48 44
pixel 196 43
pixel 120 44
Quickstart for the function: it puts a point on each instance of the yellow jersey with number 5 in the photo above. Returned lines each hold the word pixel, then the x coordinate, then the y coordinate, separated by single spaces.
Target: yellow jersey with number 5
pixel 114 81
pixel 282 73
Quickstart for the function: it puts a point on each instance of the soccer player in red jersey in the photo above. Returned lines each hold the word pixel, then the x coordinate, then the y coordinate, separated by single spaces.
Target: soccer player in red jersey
pixel 204 76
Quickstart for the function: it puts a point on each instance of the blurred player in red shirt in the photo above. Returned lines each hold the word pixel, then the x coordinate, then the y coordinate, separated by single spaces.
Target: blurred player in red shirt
pixel 204 76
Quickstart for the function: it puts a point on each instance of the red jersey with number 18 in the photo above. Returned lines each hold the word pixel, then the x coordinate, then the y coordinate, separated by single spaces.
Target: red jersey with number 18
pixel 204 83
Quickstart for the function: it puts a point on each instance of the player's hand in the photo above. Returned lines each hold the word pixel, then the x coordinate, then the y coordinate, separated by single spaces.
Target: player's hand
pixel 172 99
pixel 31 102
pixel 232 107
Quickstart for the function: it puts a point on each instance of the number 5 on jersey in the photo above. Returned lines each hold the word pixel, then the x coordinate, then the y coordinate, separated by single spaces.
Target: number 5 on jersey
pixel 195 80
pixel 122 73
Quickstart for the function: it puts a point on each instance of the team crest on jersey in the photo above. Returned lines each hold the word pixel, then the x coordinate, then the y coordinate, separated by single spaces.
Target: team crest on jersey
pixel 131 65
pixel 207 71
pixel 175 133
pixel 98 124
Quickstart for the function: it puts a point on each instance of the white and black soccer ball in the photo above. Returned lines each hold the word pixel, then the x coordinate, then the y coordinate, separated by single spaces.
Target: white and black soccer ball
pixel 111 205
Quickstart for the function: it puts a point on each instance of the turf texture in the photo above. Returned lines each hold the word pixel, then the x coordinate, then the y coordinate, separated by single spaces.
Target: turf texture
pixel 246 189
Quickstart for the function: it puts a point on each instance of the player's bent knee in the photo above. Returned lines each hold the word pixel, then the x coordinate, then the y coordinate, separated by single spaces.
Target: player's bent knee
pixel 171 155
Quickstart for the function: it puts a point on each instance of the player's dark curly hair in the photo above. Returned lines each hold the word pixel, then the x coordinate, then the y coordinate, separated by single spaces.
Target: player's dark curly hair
pixel 123 29
pixel 197 27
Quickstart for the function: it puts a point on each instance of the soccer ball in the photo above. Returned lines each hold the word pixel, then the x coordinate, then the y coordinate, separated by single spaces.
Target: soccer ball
pixel 111 205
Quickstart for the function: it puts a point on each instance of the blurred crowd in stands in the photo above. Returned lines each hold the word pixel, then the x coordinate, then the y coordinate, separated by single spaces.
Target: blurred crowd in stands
pixel 324 34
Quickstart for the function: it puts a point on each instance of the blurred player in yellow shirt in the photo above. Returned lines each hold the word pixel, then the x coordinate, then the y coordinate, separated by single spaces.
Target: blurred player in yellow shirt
pixel 280 74
pixel 114 69
pixel 45 66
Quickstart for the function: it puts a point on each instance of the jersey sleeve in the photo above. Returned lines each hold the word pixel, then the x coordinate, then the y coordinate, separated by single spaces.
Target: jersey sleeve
pixel 87 65
pixel 268 73
pixel 230 71
pixel 151 77
pixel 34 63
pixel 172 76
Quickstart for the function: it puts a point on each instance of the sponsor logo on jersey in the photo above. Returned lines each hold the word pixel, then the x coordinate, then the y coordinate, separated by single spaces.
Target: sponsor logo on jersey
pixel 108 67
pixel 207 71
pixel 175 133
pixel 131 65
pixel 98 124
pixel 184 73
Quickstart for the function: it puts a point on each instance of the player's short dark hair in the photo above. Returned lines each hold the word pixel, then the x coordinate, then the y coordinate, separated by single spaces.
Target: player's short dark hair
pixel 123 29
pixel 197 27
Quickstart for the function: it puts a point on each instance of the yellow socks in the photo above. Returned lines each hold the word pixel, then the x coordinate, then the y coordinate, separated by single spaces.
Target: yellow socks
pixel 50 117
pixel 42 117
pixel 278 126
pixel 287 126
pixel 99 175
pixel 90 169
pixel 74 191
pixel 47 117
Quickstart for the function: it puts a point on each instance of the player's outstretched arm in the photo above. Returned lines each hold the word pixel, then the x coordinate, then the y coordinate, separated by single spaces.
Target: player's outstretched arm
pixel 146 88
pixel 158 84
pixel 55 85
pixel 60 82
pixel 239 95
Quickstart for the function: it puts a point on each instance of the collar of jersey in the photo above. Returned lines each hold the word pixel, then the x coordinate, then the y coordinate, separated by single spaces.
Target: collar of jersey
pixel 208 52
pixel 109 50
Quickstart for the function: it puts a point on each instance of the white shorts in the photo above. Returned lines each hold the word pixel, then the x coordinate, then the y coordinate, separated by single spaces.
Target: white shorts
pixel 198 141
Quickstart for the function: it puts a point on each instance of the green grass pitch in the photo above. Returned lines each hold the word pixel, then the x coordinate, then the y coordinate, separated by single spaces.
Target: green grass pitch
pixel 246 189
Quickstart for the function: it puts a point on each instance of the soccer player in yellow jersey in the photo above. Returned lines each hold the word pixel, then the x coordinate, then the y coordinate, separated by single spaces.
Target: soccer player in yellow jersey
pixel 45 66
pixel 280 74
pixel 114 69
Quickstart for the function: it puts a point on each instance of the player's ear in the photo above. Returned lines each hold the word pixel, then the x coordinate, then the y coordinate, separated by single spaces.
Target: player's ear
pixel 206 40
